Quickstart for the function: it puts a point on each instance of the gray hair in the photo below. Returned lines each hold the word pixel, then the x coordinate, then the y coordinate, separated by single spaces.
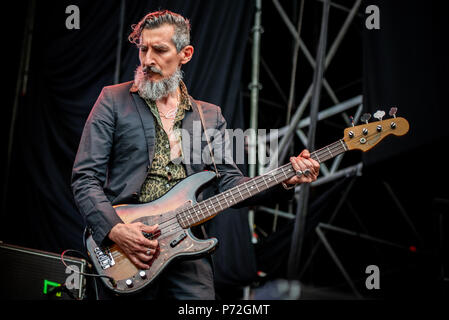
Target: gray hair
pixel 153 20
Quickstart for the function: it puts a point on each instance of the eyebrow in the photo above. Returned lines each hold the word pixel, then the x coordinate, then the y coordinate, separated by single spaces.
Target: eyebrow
pixel 160 46
pixel 156 46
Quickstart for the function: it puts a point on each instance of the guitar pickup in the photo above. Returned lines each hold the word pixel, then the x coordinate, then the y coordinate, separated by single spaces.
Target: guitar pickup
pixel 176 241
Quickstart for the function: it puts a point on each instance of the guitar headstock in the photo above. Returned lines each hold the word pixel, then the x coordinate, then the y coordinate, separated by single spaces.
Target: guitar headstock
pixel 367 135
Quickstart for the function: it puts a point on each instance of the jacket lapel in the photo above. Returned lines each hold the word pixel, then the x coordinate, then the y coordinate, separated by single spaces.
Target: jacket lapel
pixel 191 148
pixel 148 124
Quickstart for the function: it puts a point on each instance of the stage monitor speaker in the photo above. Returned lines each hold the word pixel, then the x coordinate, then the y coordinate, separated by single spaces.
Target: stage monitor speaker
pixel 29 274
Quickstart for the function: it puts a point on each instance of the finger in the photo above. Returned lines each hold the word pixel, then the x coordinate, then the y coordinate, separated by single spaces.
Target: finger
pixel 312 165
pixel 315 164
pixel 300 163
pixel 305 153
pixel 142 243
pixel 138 263
pixel 308 164
pixel 143 257
pixel 148 244
pixel 297 165
pixel 153 244
pixel 149 229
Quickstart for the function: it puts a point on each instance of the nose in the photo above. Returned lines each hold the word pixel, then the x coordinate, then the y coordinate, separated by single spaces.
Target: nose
pixel 149 58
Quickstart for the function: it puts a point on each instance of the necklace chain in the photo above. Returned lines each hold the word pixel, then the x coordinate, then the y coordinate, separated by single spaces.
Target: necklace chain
pixel 170 114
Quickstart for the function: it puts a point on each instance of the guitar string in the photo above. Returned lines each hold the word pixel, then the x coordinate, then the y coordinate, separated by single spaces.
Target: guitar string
pixel 258 181
pixel 337 146
pixel 321 156
pixel 174 221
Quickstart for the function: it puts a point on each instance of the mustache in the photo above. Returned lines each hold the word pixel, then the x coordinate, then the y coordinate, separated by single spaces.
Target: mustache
pixel 147 69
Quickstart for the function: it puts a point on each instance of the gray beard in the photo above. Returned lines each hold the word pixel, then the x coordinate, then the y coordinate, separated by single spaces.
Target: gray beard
pixel 158 89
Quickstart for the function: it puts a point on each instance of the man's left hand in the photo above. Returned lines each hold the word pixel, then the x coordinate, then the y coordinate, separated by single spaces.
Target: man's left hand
pixel 309 168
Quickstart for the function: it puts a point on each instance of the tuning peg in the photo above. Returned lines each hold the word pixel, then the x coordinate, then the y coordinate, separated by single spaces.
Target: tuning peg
pixel 379 115
pixel 393 111
pixel 365 118
pixel 351 118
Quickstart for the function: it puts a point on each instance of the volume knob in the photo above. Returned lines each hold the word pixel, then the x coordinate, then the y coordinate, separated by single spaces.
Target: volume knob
pixel 142 274
pixel 129 283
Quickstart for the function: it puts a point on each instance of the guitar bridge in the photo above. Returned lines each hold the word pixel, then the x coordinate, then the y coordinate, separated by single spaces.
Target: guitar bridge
pixel 104 258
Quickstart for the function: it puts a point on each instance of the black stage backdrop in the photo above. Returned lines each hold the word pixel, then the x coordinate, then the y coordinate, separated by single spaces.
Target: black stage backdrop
pixel 68 69
pixel 406 66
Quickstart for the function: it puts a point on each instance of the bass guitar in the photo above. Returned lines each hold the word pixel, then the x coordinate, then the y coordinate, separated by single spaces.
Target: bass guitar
pixel 177 211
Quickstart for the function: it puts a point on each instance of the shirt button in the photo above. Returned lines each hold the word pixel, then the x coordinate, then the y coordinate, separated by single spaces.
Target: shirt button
pixel 167 185
pixel 167 168
pixel 167 146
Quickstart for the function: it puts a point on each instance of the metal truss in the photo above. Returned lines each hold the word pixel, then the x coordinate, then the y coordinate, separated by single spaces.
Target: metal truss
pixel 297 122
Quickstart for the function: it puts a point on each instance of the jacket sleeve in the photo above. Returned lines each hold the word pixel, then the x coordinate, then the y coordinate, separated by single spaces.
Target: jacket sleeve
pixel 90 168
pixel 230 174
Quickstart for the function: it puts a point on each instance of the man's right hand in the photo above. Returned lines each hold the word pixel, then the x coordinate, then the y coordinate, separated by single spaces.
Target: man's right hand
pixel 130 239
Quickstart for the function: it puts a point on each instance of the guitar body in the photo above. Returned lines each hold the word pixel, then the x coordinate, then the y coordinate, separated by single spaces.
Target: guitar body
pixel 174 241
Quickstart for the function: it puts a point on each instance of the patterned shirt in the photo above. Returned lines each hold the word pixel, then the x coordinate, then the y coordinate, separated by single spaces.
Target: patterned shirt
pixel 166 169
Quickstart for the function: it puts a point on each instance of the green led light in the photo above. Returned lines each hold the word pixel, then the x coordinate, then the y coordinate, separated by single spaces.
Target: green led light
pixel 48 283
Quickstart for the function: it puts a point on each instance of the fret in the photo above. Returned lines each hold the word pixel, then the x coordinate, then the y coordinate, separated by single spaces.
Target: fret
pixel 256 184
pixel 343 144
pixel 203 210
pixel 286 177
pixel 238 189
pixel 263 178
pixel 218 200
pixel 211 205
pixel 318 158
pixel 191 213
pixel 198 211
pixel 329 151
pixel 181 217
pixel 272 177
pixel 226 199
pixel 249 192
pixel 186 215
pixel 290 168
pixel 230 193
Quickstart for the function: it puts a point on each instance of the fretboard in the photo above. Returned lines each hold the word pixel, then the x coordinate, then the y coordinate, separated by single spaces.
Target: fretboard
pixel 204 210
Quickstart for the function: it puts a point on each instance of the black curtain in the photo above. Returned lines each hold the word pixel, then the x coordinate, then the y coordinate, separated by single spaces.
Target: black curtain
pixel 68 69
pixel 406 65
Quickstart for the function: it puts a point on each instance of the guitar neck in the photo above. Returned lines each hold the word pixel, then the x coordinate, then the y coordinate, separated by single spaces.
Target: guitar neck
pixel 205 210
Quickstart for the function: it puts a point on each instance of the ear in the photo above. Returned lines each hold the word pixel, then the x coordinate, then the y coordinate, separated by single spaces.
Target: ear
pixel 186 54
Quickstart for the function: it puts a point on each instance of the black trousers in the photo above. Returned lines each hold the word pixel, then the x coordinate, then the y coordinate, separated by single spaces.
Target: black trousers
pixel 181 280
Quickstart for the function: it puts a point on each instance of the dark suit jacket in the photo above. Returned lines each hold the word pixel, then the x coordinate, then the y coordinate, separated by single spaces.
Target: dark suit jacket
pixel 117 148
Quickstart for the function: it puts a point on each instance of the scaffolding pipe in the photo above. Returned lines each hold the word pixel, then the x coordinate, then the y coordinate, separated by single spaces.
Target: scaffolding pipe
pixel 299 228
pixel 285 141
pixel 254 87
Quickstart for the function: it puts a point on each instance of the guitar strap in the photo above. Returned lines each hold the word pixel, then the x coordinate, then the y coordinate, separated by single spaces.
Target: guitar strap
pixel 200 110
